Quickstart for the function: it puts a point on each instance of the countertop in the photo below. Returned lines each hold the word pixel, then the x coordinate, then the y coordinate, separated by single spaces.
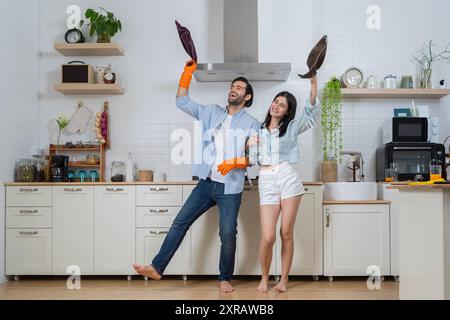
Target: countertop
pixel 422 187
pixel 188 182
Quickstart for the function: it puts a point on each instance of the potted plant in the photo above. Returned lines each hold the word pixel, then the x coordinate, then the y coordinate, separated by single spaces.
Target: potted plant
pixel 104 25
pixel 425 58
pixel 62 122
pixel 332 130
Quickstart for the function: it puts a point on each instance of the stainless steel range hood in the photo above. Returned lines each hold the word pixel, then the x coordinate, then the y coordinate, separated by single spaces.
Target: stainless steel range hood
pixel 240 42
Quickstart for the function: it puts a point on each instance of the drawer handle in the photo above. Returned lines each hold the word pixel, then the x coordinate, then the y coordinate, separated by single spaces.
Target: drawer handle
pixel 306 189
pixel 28 233
pixel 159 210
pixel 159 232
pixel 114 189
pixel 327 214
pixel 159 189
pixel 28 190
pixel 73 189
pixel 28 211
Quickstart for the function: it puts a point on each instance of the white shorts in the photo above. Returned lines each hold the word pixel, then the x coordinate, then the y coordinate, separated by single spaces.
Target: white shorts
pixel 279 183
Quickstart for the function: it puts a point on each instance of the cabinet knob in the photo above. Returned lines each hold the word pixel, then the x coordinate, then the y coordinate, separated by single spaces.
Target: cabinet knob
pixel 159 210
pixel 327 215
pixel 159 189
pixel 159 232
pixel 114 189
pixel 28 189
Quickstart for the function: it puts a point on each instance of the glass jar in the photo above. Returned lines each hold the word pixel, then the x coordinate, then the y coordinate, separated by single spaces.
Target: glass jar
pixel 118 171
pixel 25 171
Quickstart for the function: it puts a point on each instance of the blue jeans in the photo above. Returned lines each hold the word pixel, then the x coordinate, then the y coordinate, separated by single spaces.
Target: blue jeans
pixel 205 195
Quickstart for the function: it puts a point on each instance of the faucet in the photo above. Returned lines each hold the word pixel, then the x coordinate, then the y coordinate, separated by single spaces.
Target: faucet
pixel 357 163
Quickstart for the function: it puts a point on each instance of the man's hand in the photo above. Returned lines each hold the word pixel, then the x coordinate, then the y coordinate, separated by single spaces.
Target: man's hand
pixel 313 92
pixel 186 77
pixel 235 163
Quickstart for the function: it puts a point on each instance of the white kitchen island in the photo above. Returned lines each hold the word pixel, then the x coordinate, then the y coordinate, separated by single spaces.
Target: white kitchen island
pixel 424 241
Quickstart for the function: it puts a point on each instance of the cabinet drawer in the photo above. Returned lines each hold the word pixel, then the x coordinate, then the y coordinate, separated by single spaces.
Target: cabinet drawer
pixel 28 217
pixel 29 196
pixel 28 252
pixel 159 195
pixel 148 243
pixel 155 217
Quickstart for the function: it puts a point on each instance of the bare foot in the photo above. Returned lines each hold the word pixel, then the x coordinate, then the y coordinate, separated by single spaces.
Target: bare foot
pixel 281 286
pixel 263 285
pixel 147 271
pixel 226 287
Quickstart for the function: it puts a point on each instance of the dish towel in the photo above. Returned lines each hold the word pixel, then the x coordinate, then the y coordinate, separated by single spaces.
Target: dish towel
pixel 79 120
pixel 186 40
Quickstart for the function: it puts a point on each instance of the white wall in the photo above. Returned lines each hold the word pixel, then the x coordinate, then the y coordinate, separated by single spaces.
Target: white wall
pixel 144 117
pixel 19 102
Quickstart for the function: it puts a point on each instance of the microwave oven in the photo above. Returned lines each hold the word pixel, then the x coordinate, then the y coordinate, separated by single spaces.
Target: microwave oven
pixel 411 129
pixel 413 160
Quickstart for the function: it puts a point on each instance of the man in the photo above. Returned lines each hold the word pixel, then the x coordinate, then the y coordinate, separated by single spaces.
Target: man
pixel 225 132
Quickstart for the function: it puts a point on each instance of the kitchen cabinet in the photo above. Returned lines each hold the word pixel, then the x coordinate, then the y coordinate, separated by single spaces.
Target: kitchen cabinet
pixel 28 252
pixel 115 227
pixel 356 236
pixel 148 243
pixel 73 228
pixel 308 241
pixel 249 235
pixel 201 246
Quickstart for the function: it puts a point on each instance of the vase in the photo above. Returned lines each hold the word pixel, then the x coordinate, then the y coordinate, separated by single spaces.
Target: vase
pixel 329 171
pixel 424 77
pixel 103 38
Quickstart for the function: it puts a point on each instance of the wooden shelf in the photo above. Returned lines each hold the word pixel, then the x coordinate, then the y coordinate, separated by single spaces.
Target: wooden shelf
pixel 89 89
pixel 89 49
pixel 394 93
pixel 64 149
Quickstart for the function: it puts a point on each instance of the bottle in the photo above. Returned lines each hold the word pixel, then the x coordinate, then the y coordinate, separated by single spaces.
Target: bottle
pixel 130 175
pixel 414 112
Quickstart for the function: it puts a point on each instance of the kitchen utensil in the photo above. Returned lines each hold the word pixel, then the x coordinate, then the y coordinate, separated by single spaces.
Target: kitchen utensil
pixel 316 58
pixel 390 82
pixel 60 166
pixel 145 175
pixel 372 82
pixel 353 77
pixel 80 119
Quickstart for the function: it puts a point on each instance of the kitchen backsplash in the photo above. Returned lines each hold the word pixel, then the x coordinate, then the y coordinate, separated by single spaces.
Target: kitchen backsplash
pixel 143 119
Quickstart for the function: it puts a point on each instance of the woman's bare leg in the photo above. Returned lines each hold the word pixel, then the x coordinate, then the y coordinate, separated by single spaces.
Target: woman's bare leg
pixel 289 209
pixel 269 217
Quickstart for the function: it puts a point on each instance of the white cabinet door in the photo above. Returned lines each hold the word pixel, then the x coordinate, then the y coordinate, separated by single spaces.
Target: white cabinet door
pixel 114 232
pixel 73 229
pixel 28 252
pixel 148 243
pixel 308 242
pixel 356 237
pixel 249 235
pixel 29 196
pixel 201 246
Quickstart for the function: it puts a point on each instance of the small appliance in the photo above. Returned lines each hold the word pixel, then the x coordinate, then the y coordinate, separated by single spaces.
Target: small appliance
pixel 411 129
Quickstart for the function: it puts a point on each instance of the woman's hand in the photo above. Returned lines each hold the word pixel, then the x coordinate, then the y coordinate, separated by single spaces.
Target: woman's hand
pixel 252 141
pixel 313 92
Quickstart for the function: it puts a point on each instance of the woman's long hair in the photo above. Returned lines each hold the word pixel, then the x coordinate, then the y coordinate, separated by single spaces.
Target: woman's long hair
pixel 292 108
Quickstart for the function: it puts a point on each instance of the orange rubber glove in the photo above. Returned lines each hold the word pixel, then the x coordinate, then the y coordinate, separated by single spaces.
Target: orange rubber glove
pixel 236 163
pixel 186 77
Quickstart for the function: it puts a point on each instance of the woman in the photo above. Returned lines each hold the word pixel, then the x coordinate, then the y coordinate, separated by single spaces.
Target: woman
pixel 280 188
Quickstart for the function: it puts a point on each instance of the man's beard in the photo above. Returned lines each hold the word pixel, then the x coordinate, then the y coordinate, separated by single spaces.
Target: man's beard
pixel 236 101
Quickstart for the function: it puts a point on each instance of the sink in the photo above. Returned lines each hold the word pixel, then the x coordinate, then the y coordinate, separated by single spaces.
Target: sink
pixel 350 191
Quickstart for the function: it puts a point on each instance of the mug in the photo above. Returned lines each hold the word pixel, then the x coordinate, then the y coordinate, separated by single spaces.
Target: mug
pixel 159 176
pixel 82 175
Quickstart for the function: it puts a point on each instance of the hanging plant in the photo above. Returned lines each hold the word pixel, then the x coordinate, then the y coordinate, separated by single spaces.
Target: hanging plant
pixel 332 120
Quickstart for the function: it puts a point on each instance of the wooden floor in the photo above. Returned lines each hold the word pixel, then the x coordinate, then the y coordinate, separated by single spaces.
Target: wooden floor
pixel 196 288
